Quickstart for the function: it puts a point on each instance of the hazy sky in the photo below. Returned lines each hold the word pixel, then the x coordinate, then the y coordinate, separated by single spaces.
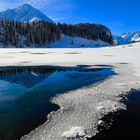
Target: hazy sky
pixel 119 15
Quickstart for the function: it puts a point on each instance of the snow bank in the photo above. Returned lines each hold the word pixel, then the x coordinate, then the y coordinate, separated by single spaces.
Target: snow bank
pixel 75 132
pixel 77 42
pixel 110 106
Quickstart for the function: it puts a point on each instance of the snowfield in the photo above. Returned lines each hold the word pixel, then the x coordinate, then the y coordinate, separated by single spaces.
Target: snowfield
pixel 82 110
pixel 76 42
pixel 74 132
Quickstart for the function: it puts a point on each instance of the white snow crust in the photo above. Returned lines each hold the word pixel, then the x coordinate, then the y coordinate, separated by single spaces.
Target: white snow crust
pixel 77 42
pixel 75 132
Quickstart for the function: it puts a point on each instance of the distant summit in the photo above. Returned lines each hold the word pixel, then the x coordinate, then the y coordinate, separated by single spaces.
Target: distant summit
pixel 132 37
pixel 24 13
pixel 127 38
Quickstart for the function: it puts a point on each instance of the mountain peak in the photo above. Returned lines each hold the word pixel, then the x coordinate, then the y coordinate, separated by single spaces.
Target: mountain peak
pixel 24 13
pixel 25 6
pixel 127 38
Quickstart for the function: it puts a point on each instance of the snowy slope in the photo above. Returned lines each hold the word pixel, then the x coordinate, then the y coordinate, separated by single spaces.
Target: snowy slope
pixel 127 38
pixel 132 37
pixel 24 13
pixel 76 42
pixel 68 42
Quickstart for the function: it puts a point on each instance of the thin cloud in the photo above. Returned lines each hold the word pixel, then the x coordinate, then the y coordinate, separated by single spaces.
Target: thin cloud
pixel 49 5
pixel 57 19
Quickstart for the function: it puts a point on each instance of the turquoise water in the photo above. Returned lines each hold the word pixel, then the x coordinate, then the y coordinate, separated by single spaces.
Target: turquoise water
pixel 25 94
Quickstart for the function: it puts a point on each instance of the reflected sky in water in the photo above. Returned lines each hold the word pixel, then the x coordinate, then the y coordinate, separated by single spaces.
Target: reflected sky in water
pixel 25 94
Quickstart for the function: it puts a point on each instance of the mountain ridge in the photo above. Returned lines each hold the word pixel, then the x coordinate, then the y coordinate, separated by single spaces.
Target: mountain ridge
pixel 24 13
pixel 127 38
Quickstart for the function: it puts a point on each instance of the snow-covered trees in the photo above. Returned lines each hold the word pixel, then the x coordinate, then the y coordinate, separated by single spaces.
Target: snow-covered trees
pixel 22 34
pixel 35 33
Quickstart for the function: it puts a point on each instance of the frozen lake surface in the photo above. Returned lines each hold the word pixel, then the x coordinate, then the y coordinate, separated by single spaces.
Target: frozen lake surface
pixel 26 92
pixel 81 109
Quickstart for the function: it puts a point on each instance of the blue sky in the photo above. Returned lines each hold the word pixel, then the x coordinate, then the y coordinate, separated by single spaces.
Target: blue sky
pixel 119 15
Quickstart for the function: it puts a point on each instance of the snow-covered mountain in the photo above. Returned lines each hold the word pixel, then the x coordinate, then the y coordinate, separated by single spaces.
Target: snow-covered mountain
pixel 127 38
pixel 83 35
pixel 24 13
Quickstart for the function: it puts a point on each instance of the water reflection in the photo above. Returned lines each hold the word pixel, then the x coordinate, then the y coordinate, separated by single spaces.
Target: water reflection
pixel 25 94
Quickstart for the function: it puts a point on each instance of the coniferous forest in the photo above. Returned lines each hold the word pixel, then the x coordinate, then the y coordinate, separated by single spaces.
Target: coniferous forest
pixel 39 33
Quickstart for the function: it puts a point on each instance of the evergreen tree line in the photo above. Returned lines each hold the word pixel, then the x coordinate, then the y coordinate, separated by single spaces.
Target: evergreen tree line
pixel 27 34
pixel 39 33
pixel 88 31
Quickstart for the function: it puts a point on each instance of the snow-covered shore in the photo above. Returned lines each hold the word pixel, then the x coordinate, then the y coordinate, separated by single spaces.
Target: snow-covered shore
pixel 81 110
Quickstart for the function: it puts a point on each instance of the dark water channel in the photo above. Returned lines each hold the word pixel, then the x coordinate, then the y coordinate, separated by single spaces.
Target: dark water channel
pixel 25 94
pixel 125 125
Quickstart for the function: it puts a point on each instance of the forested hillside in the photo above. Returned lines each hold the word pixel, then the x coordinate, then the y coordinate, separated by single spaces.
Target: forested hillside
pixel 39 33
pixel 88 31
pixel 27 34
